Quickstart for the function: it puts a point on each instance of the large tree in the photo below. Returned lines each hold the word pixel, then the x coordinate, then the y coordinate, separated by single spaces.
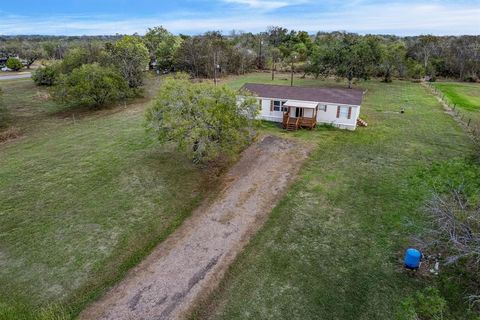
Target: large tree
pixel 392 59
pixel 202 120
pixel 354 57
pixel 91 85
pixel 162 47
pixel 131 57
pixel 30 52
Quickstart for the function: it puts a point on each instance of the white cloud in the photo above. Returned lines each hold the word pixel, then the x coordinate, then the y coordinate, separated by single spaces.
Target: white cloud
pixel 266 4
pixel 398 18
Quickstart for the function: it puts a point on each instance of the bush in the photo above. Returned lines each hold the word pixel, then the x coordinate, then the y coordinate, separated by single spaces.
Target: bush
pixel 91 85
pixel 204 121
pixel 45 76
pixel 424 305
pixel 415 70
pixel 75 58
pixel 14 64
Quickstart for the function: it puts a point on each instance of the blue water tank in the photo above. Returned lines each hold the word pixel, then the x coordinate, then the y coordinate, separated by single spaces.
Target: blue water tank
pixel 412 258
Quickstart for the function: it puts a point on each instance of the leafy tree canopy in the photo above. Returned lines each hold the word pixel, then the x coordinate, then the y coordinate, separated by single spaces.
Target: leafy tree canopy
pixel 91 85
pixel 46 76
pixel 130 56
pixel 202 120
pixel 162 46
pixel 14 64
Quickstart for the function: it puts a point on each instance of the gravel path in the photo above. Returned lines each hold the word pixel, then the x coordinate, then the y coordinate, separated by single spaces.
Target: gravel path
pixel 194 258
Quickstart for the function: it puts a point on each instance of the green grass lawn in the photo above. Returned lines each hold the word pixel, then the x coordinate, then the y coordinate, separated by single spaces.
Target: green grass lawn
pixel 280 78
pixel 466 97
pixel 85 195
pixel 81 202
pixel 332 248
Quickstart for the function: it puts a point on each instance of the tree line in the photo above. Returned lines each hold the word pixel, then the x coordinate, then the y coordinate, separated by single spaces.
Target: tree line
pixel 339 54
pixel 95 71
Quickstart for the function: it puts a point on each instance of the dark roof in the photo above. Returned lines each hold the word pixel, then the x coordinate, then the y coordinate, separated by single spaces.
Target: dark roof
pixel 332 95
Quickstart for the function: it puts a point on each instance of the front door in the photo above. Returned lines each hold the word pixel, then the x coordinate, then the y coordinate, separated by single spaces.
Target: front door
pixel 298 112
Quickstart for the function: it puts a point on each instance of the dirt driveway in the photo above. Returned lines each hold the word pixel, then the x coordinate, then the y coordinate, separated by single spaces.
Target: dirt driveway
pixel 193 259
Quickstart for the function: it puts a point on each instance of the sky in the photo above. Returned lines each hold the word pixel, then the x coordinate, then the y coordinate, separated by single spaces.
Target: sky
pixel 101 17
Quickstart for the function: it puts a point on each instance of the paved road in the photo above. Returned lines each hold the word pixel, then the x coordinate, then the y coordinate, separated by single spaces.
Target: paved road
pixel 15 76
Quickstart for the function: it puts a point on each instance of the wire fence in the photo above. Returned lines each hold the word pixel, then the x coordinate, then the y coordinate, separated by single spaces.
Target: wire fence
pixel 471 124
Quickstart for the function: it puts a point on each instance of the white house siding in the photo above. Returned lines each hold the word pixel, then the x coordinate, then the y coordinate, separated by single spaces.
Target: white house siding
pixel 329 117
pixel 266 114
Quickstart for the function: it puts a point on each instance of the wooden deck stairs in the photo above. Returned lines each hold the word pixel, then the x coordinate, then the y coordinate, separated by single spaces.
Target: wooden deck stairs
pixel 290 124
pixel 291 127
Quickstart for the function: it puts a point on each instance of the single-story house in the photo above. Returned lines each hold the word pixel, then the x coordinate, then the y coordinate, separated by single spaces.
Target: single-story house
pixel 297 107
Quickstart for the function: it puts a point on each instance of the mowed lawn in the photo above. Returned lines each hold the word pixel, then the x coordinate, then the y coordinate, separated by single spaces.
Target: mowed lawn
pixel 466 97
pixel 82 201
pixel 333 247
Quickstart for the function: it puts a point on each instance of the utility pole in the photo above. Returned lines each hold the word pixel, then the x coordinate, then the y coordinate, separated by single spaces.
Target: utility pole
pixel 273 68
pixel 291 76
pixel 214 68
pixel 260 60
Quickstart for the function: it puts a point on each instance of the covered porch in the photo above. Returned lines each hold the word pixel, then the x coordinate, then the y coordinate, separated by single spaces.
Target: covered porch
pixel 299 114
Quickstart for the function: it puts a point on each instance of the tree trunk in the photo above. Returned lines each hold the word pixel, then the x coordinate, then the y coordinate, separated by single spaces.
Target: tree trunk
pixel 291 77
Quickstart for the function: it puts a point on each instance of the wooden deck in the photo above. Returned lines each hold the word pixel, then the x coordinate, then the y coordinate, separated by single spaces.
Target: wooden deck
pixel 293 123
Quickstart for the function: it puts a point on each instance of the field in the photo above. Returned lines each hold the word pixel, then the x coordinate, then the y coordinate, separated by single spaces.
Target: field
pixel 332 248
pixel 465 96
pixel 86 195
pixel 83 197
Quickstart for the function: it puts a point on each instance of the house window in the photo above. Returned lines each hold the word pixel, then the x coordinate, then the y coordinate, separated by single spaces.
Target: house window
pixel 278 106
pixel 322 107
pixel 344 112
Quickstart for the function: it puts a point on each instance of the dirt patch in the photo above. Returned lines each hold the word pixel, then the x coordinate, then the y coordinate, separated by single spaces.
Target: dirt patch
pixel 192 261
pixel 10 134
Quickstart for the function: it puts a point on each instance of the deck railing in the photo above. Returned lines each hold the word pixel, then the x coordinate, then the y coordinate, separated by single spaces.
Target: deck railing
pixel 306 122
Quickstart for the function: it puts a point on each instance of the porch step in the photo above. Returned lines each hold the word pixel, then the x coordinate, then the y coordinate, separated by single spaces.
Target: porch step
pixel 362 123
pixel 291 127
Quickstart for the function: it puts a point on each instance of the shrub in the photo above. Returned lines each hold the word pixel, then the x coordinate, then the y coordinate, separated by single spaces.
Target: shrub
pixel 453 231
pixel 75 58
pixel 14 64
pixel 424 305
pixel 45 76
pixel 415 70
pixel 204 121
pixel 91 85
